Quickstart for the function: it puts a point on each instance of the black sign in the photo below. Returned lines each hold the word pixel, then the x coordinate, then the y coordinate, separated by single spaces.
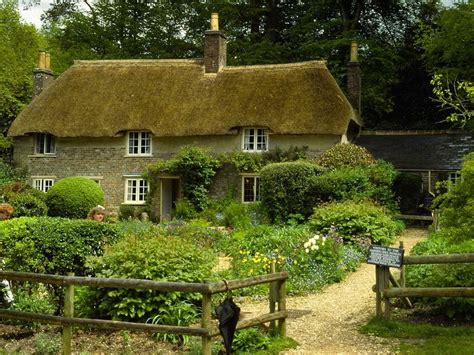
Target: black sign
pixel 385 256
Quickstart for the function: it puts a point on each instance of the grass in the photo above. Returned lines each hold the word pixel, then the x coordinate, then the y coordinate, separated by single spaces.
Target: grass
pixel 424 338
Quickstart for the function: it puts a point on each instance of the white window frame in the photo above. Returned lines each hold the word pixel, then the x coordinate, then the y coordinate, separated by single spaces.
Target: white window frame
pixel 42 183
pixel 133 194
pixel 256 197
pixel 255 139
pixel 141 141
pixel 45 144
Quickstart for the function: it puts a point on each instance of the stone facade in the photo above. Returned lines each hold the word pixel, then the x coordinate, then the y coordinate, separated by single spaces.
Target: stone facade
pixel 105 160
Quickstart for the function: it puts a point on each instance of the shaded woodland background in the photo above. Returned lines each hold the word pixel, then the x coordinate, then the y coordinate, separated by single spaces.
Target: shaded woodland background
pixel 403 46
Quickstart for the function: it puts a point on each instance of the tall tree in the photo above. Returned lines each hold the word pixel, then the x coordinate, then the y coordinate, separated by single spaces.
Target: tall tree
pixel 19 45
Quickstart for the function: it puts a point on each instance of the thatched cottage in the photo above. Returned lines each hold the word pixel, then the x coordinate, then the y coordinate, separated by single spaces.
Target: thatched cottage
pixel 108 119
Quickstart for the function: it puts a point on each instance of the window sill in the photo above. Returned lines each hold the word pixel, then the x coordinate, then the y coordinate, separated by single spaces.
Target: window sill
pixel 133 203
pixel 254 151
pixel 138 156
pixel 42 155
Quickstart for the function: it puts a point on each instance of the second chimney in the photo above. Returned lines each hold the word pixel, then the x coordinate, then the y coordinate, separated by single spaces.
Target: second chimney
pixel 215 47
pixel 43 75
pixel 354 86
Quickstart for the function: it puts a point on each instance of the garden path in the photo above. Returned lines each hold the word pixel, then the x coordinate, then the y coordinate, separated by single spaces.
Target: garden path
pixel 328 322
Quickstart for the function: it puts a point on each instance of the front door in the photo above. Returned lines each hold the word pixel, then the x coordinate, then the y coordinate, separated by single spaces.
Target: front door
pixel 169 195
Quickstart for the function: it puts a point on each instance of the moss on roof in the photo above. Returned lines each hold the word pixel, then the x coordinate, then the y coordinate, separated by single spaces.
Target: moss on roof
pixel 176 98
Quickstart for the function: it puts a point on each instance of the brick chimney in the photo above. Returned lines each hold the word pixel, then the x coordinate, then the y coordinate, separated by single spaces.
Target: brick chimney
pixel 353 80
pixel 215 48
pixel 42 75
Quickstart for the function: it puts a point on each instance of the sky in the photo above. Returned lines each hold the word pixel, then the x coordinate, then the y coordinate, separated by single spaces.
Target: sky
pixel 33 13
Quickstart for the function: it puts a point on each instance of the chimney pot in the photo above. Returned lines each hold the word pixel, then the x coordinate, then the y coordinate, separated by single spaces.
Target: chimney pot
pixel 214 21
pixel 42 60
pixel 354 52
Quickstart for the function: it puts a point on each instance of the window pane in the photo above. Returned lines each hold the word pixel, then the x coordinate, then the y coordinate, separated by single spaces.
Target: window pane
pixel 40 143
pixel 262 139
pixel 131 190
pixel 248 189
pixel 133 142
pixel 249 139
pixel 145 143
pixel 257 189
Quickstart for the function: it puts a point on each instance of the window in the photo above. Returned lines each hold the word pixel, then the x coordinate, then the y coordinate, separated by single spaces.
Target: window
pixel 139 143
pixel 250 188
pixel 43 184
pixel 454 177
pixel 135 190
pixel 45 144
pixel 255 140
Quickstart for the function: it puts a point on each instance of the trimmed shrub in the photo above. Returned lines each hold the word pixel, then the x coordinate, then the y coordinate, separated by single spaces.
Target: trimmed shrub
pixel 73 197
pixel 52 245
pixel 356 222
pixel 285 189
pixel 156 258
pixel 374 182
pixel 27 204
pixel 344 155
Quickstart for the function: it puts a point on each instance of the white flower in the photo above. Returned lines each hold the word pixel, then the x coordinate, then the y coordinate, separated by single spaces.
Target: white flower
pixel 316 237
pixel 306 245
pixel 307 250
pixel 314 247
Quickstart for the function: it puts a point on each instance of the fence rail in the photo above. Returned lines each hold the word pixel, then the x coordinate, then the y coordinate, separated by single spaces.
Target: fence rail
pixel 207 330
pixel 383 278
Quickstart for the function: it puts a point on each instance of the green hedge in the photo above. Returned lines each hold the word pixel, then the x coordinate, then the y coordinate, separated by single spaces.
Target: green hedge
pixel 285 189
pixel 73 197
pixel 356 222
pixel 52 245
pixel 345 155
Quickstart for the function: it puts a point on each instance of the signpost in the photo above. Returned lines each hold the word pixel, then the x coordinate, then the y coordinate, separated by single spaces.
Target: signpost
pixel 385 256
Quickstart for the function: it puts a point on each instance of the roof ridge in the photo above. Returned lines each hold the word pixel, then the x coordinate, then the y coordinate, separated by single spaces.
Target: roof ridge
pixel 138 62
pixel 309 63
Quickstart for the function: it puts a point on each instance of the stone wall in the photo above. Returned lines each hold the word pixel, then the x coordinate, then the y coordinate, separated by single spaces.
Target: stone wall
pixel 105 160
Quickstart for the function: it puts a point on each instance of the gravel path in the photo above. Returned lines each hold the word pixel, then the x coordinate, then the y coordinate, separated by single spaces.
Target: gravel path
pixel 328 322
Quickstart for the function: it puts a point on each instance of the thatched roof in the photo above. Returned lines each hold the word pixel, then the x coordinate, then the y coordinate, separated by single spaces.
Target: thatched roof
pixel 176 98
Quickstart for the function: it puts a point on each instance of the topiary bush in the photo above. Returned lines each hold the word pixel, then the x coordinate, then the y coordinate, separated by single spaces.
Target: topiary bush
pixel 345 155
pixel 151 257
pixel 285 189
pixel 73 197
pixel 356 222
pixel 27 204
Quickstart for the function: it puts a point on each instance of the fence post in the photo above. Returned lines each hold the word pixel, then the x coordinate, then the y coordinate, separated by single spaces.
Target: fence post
pixel 282 306
pixel 402 268
pixel 272 296
pixel 206 323
pixel 386 284
pixel 378 290
pixel 68 313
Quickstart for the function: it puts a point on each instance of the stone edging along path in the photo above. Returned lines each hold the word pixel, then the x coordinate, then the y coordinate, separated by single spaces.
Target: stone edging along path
pixel 328 322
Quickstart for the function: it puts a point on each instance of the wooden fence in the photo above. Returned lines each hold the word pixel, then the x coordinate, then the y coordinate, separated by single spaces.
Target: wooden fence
pixel 206 331
pixel 383 279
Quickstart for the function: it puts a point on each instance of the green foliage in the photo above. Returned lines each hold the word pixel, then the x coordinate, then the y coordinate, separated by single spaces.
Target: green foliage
pixel 250 340
pixel 52 245
pixel 236 216
pixel 8 174
pixel 255 249
pixel 32 299
pixel 27 204
pixel 150 257
pixel 184 210
pixel 456 236
pixel 356 222
pixel 19 45
pixel 457 205
pixel 457 97
pixel 127 212
pixel 345 155
pixel 252 163
pixel 47 344
pixel 285 189
pixel 196 167
pixel 73 197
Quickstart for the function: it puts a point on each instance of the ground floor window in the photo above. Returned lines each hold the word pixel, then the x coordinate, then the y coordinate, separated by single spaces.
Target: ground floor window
pixel 250 188
pixel 42 184
pixel 136 190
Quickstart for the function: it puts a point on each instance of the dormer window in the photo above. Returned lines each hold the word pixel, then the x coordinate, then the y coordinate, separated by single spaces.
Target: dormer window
pixel 255 140
pixel 138 143
pixel 45 143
